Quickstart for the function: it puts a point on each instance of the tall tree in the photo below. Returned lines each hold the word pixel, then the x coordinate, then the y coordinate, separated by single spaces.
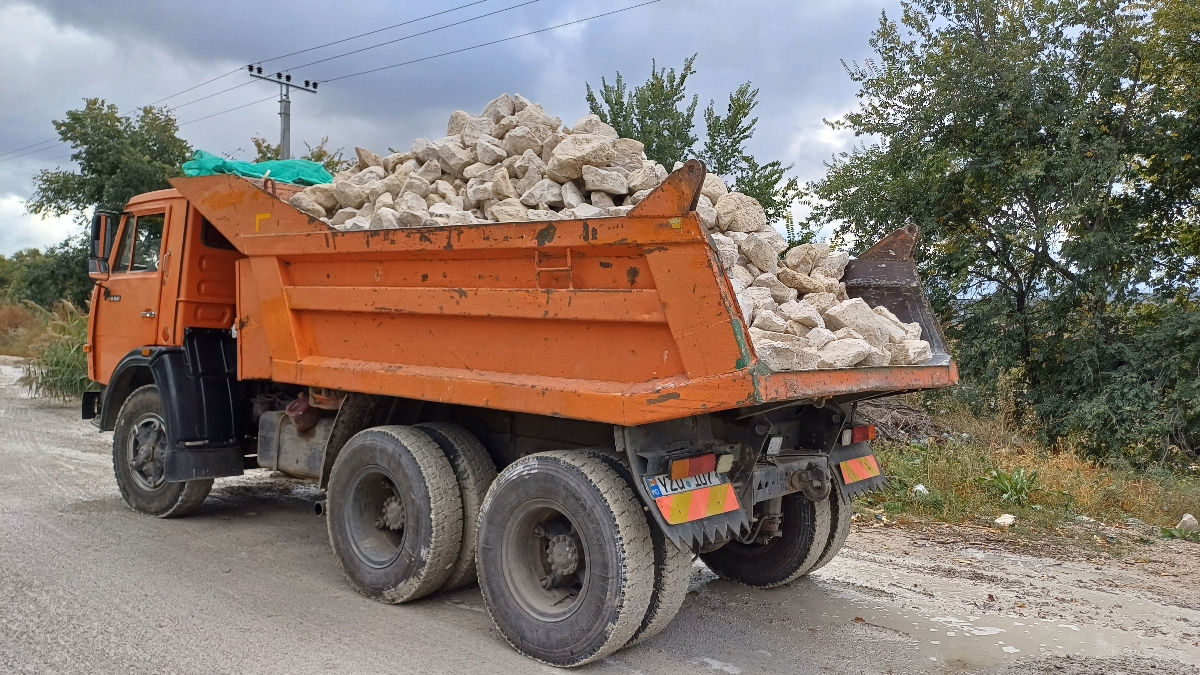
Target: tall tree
pixel 1017 135
pixel 654 112
pixel 118 157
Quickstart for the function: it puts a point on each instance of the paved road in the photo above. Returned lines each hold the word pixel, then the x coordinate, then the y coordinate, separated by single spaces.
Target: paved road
pixel 249 585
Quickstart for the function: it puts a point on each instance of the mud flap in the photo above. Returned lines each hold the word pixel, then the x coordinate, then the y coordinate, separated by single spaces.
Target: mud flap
pixel 855 467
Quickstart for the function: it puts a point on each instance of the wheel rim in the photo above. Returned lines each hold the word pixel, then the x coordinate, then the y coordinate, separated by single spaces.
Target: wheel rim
pixel 144 452
pixel 545 560
pixel 375 517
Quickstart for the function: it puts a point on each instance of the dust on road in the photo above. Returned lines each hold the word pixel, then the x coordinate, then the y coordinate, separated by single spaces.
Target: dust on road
pixel 249 584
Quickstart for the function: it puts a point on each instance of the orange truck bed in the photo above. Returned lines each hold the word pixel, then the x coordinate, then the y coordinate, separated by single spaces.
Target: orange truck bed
pixel 625 320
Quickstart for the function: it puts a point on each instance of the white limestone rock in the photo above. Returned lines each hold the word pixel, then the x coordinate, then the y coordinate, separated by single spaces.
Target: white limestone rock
pixel 453 156
pixel 604 180
pixel 510 211
pixel 458 119
pixel 601 200
pixel 523 138
pixel 780 293
pixel 806 284
pixel 342 216
pixel 592 124
pixel 706 213
pixel 499 108
pixel 574 152
pixel 760 253
pixel 385 219
pixel 843 353
pixel 644 178
pixel 908 352
pixel 858 315
pixel 307 204
pixel 740 213
pixel 726 248
pixel 544 192
pixel 490 150
pixel 366 158
pixel 804 258
pixel 586 210
pixel 802 313
pixel 833 265
pixel 819 336
pixel 571 194
pixel 416 185
pixel 367 175
pixel 323 194
pixel 714 188
pixel 351 195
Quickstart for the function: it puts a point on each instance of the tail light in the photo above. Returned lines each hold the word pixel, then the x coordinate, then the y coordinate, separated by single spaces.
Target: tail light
pixel 858 435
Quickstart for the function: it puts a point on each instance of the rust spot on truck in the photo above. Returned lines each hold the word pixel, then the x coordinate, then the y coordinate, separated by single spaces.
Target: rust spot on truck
pixel 632 275
pixel 670 396
pixel 546 235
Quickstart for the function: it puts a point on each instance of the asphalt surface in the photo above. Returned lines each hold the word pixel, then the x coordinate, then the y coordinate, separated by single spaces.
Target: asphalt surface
pixel 249 585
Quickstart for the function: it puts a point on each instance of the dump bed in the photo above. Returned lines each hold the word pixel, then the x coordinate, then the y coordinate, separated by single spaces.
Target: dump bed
pixel 624 320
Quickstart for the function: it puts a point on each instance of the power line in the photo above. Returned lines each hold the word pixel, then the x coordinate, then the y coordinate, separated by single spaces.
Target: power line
pixel 27 146
pixel 413 35
pixel 204 98
pixel 372 32
pixel 246 105
pixel 184 91
pixel 492 42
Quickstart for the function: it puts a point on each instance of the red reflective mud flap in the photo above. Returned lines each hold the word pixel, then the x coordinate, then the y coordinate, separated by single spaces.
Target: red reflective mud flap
pixel 857 469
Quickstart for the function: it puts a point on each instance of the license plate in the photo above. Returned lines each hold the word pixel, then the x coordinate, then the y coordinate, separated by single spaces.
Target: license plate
pixel 692 498
pixel 663 485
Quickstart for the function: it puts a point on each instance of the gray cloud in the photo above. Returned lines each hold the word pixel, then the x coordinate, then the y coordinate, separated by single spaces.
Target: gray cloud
pixel 133 53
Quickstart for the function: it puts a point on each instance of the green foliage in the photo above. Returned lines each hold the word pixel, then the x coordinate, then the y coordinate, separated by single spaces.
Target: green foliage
pixel 1045 150
pixel 725 154
pixel 651 112
pixel 44 277
pixel 118 157
pixel 654 113
pixel 1176 533
pixel 332 160
pixel 1012 487
pixel 59 368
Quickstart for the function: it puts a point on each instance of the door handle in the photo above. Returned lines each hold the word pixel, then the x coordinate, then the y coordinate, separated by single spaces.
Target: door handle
pixel 148 314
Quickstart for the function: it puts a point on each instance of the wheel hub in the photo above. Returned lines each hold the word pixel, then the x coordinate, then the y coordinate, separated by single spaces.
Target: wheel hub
pixel 563 554
pixel 391 516
pixel 145 452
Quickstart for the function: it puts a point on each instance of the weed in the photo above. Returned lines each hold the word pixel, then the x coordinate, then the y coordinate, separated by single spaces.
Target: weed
pixel 1014 486
pixel 1176 533
pixel 59 367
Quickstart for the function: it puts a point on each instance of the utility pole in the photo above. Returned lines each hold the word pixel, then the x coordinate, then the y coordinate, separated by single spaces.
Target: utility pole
pixel 285 104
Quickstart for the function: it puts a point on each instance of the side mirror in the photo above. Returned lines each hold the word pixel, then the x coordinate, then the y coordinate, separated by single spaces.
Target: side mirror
pixel 103 231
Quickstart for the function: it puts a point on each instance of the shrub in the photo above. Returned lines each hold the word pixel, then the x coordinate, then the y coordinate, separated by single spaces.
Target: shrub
pixel 59 368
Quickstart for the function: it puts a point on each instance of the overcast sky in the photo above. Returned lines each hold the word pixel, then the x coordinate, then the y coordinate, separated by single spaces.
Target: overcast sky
pixel 135 52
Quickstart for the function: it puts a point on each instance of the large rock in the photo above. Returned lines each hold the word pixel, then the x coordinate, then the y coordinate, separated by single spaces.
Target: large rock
pixel 349 194
pixel 858 315
pixel 453 156
pixel 909 352
pixel 367 175
pixel 490 150
pixel 819 336
pixel 844 353
pixel 367 158
pixel 740 213
pixel 545 192
pixel 475 129
pixel 806 284
pixel 571 194
pixel 1188 524
pixel 307 204
pixel 528 161
pixel 754 298
pixel 740 278
pixel 323 195
pixel 592 124
pixel 394 160
pixel 416 185
pixel 727 250
pixel 769 320
pixel 706 213
pixel 342 216
pixel 760 253
pixel 430 171
pixel 510 211
pixel 586 210
pixel 780 293
pixel 458 119
pixel 820 301
pixel 423 150
pixel 644 178
pixel 833 265
pixel 804 258
pixel 602 199
pixel 714 188
pixel 499 108
pixel 802 313
pixel 385 219
pixel 574 152
pixel 604 180
pixel 523 138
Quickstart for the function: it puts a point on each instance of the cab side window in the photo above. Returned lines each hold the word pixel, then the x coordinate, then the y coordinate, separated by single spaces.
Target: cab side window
pixel 141 243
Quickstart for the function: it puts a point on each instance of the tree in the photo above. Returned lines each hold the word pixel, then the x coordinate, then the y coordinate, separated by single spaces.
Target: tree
pixel 332 160
pixel 118 157
pixel 1022 138
pixel 725 154
pixel 654 113
pixel 651 113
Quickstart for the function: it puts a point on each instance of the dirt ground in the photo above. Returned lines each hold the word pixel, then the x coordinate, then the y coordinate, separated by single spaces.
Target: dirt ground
pixel 249 584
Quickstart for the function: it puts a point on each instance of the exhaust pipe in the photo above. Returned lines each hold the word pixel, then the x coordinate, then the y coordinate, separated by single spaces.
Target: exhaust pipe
pixel 319 508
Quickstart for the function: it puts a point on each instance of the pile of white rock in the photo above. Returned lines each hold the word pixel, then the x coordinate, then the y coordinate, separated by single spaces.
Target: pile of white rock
pixel 517 163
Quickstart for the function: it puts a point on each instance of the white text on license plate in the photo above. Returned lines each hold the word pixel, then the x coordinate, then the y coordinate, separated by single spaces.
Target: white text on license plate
pixel 663 485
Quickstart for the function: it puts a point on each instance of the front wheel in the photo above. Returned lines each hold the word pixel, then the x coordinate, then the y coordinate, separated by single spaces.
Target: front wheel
pixel 565 559
pixel 139 441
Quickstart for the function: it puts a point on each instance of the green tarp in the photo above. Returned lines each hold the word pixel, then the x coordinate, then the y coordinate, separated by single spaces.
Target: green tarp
pixel 297 171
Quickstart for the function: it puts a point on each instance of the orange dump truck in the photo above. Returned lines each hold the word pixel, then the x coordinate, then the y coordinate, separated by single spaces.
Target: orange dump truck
pixel 567 411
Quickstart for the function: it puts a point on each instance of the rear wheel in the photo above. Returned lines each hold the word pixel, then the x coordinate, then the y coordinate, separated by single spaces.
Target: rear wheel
pixel 139 441
pixel 475 472
pixel 840 512
pixel 803 537
pixel 394 514
pixel 565 559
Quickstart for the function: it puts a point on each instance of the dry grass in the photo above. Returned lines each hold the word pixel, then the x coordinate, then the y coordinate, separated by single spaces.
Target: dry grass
pixel 954 466
pixel 22 328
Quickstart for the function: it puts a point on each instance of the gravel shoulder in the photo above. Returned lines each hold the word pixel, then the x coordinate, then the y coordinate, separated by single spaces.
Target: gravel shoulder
pixel 250 584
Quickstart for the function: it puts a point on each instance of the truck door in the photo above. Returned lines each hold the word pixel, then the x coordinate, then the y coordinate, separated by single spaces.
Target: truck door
pixel 126 305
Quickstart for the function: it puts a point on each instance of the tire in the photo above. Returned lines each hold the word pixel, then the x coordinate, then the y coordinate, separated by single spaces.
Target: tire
pixel 394 514
pixel 475 472
pixel 841 511
pixel 672 566
pixel 568 520
pixel 803 539
pixel 139 440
